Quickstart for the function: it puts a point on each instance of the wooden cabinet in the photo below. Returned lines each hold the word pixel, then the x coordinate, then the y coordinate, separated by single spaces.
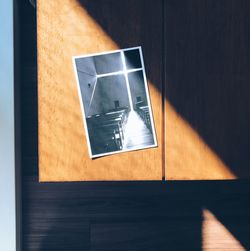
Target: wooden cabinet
pixel 202 69
pixel 198 83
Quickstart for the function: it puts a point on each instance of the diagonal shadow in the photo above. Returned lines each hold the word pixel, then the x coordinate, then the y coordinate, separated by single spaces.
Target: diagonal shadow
pixel 176 202
pixel 207 69
pixel 231 206
pixel 206 65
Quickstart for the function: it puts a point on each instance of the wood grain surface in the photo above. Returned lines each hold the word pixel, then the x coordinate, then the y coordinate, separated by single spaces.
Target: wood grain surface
pixel 207 107
pixel 204 133
pixel 65 29
pixel 149 216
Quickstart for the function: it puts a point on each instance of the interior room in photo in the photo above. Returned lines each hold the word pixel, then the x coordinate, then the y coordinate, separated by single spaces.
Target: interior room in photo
pixel 115 101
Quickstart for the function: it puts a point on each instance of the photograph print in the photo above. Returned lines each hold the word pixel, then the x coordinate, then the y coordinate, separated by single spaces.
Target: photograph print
pixel 115 101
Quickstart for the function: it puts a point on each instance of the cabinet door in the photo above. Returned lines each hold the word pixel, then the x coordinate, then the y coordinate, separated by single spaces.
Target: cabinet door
pixel 68 28
pixel 207 106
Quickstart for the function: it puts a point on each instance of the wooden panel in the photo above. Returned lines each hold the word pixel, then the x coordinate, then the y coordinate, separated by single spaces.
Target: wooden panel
pixel 74 215
pixel 70 27
pixel 207 106
pixel 146 235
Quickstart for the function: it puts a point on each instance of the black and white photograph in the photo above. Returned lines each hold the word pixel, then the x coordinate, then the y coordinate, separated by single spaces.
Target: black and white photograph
pixel 115 101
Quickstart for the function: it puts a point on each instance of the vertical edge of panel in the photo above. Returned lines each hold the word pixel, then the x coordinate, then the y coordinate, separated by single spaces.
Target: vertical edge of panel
pixel 17 124
pixel 164 94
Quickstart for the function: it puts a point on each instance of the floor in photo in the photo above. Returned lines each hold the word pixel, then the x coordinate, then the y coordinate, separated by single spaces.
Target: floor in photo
pixel 136 133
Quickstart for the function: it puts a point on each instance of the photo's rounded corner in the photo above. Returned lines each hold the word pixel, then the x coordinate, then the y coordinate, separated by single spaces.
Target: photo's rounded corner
pixel 132 48
pixel 74 57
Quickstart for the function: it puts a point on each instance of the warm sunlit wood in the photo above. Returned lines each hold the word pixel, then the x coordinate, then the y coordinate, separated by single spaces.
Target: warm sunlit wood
pixel 187 155
pixel 65 29
pixel 214 235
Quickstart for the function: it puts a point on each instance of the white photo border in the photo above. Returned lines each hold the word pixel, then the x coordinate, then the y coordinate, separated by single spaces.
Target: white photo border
pixel 82 107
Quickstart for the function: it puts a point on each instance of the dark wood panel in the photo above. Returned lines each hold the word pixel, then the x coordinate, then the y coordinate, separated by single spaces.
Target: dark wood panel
pixel 118 215
pixel 146 235
pixel 207 75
